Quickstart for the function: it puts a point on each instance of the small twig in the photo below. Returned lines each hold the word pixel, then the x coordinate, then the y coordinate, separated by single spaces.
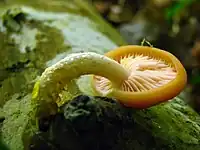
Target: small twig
pixel 145 41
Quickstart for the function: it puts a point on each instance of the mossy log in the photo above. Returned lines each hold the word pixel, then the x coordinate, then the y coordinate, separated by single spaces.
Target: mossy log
pixel 98 123
pixel 35 35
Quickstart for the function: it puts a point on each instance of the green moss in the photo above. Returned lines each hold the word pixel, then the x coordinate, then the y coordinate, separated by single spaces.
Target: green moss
pixel 17 119
pixel 173 122
pixel 10 50
pixel 27 52
pixel 17 82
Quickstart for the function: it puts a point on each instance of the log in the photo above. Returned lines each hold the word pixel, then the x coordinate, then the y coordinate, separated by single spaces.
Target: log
pixel 35 35
pixel 98 123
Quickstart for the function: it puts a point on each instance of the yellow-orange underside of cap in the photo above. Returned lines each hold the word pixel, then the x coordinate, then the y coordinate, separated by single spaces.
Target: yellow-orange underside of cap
pixel 155 96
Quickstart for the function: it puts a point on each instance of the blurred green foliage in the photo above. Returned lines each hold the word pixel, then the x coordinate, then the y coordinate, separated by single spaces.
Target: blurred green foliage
pixel 195 79
pixel 176 8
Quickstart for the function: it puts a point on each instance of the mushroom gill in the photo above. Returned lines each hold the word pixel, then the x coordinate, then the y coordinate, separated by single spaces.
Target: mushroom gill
pixel 155 76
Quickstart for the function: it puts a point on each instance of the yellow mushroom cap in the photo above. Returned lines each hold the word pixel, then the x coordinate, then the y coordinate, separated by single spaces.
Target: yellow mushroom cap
pixel 155 76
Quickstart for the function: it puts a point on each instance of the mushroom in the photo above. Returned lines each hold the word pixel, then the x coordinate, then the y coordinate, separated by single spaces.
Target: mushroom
pixel 137 76
pixel 155 76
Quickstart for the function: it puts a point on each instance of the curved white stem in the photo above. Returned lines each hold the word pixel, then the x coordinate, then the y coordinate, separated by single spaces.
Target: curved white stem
pixel 73 66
